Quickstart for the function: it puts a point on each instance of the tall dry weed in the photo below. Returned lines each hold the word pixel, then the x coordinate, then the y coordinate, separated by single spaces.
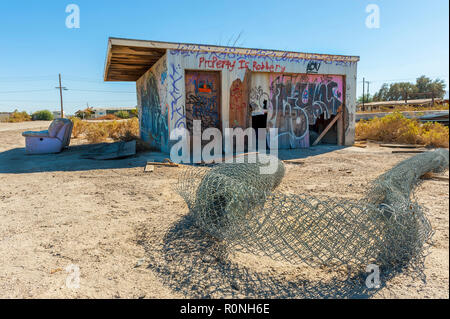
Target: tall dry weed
pixel 396 128
pixel 97 132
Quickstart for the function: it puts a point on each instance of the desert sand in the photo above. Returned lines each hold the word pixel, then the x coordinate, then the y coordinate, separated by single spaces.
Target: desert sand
pixel 126 230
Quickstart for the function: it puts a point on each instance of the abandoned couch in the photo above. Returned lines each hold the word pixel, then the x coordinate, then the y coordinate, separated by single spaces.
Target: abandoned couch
pixel 52 140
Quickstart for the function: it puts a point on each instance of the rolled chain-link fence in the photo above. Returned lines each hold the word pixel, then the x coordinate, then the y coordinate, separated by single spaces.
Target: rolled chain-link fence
pixel 239 206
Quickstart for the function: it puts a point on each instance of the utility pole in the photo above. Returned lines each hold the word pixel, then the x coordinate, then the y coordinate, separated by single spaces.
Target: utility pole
pixel 60 87
pixel 364 82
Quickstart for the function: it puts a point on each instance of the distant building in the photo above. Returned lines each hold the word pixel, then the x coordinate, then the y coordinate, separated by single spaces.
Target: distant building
pixel 4 116
pixel 373 106
pixel 56 114
pixel 102 111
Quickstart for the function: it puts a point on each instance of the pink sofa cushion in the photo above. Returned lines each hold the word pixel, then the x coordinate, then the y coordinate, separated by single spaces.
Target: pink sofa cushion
pixel 62 132
pixel 55 127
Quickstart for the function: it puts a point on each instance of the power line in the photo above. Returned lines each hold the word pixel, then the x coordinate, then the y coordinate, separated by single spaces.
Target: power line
pixel 67 101
pixel 82 90
pixel 408 79
pixel 77 90
pixel 24 91
pixel 25 78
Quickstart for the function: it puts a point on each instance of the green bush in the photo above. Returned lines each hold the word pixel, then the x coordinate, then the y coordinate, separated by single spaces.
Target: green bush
pixel 134 112
pixel 122 114
pixel 44 115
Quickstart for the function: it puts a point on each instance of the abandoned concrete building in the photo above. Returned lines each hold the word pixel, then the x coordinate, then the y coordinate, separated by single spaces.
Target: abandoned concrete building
pixel 307 97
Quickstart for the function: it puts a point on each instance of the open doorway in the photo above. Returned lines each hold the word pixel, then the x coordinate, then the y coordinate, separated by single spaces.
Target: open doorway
pixel 259 121
pixel 315 130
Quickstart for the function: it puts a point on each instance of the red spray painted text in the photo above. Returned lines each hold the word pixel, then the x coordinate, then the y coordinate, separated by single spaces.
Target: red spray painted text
pixel 216 63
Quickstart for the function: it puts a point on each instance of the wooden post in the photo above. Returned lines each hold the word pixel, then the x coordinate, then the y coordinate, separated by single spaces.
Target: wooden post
pixel 364 81
pixel 60 94
pixel 60 87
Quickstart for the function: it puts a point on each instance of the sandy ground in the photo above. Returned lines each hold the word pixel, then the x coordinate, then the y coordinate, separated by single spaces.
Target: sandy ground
pixel 127 230
pixel 31 125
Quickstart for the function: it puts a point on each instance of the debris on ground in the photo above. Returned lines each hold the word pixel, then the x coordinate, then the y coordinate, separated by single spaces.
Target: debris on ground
pixel 402 145
pixel 171 164
pixel 107 151
pixel 55 270
pixel 294 162
pixel 408 151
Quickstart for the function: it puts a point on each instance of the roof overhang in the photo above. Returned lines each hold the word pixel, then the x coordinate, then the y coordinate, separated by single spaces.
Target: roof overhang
pixel 128 60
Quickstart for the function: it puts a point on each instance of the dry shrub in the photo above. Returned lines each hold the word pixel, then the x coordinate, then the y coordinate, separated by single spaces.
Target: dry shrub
pixel 129 131
pixel 409 108
pixel 96 132
pixel 434 134
pixel 397 128
pixel 79 127
pixel 17 116
pixel 113 128
pixel 123 130
pixel 131 127
pixel 108 117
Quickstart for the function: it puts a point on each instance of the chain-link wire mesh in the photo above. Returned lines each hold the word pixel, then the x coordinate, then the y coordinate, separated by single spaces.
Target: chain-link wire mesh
pixel 237 204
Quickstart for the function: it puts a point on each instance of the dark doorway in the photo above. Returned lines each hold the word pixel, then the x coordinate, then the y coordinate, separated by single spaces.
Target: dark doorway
pixel 259 121
pixel 320 125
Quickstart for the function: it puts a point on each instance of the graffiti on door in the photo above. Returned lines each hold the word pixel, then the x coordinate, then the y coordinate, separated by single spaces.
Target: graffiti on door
pixel 239 103
pixel 202 99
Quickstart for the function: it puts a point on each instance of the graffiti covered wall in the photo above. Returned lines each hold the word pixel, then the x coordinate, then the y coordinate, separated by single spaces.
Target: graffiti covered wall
pixel 296 101
pixel 292 90
pixel 152 96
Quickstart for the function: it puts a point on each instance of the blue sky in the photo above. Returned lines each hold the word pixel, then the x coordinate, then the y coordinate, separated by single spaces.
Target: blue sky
pixel 412 40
